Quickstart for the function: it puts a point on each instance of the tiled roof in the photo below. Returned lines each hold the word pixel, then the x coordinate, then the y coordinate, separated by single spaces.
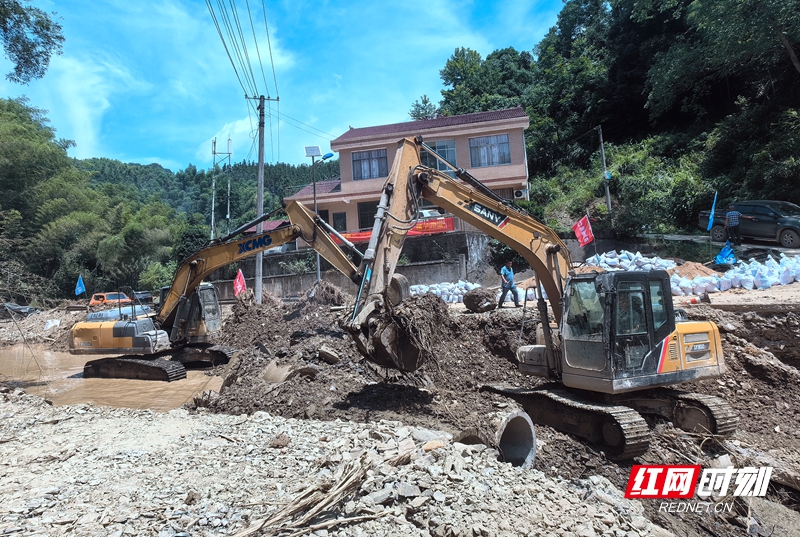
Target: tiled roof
pixel 323 187
pixel 425 124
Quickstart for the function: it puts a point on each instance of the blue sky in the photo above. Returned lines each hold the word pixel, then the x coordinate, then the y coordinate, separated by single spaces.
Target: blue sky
pixel 150 81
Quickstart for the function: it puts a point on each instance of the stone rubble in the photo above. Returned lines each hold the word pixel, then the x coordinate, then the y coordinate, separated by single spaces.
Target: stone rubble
pixel 82 470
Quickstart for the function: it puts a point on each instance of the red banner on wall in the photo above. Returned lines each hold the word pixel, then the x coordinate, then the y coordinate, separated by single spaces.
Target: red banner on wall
pixel 583 230
pixel 424 227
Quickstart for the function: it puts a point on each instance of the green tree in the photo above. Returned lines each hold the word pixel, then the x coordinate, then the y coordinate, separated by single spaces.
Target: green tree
pixel 739 39
pixel 423 109
pixel 30 37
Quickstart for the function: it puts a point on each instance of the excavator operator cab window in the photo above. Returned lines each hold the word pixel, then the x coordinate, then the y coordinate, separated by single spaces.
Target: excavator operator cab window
pixel 583 330
pixel 585 312
pixel 657 300
pixel 630 309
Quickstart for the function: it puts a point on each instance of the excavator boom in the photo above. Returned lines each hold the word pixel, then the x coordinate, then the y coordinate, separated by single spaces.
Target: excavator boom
pixel 190 309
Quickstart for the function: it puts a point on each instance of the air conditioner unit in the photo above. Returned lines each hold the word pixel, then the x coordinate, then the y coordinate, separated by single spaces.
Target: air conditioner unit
pixel 520 194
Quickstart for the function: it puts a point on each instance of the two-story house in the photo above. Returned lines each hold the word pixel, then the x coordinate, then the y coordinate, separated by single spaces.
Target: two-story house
pixel 488 145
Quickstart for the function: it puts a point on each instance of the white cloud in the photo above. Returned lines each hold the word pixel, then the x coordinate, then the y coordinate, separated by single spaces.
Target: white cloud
pixel 80 93
pixel 241 133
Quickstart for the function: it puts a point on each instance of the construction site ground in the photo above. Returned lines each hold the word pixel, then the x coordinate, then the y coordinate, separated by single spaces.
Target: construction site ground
pixel 297 362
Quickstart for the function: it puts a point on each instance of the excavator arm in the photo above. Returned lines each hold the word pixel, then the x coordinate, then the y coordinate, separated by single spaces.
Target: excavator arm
pixel 304 224
pixel 471 201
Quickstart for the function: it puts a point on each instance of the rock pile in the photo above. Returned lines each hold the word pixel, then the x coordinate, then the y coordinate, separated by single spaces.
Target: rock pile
pixel 86 471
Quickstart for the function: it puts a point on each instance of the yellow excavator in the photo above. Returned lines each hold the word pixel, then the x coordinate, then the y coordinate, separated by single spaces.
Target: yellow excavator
pixel 609 343
pixel 161 348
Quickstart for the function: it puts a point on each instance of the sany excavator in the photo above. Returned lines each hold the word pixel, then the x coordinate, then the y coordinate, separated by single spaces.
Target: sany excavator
pixel 160 348
pixel 612 348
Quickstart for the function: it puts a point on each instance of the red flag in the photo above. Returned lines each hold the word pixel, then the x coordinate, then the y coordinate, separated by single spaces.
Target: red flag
pixel 583 230
pixel 239 284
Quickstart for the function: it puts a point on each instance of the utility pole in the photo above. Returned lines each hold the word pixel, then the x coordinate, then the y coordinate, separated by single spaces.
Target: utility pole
pixel 257 288
pixel 606 173
pixel 222 158
pixel 260 197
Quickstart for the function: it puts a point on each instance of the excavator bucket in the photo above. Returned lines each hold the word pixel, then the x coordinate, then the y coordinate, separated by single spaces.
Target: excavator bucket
pixel 397 331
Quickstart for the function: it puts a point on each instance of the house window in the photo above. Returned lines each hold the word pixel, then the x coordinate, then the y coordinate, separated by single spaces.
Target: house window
pixel 323 214
pixel 340 222
pixel 447 150
pixel 366 214
pixel 489 151
pixel 369 164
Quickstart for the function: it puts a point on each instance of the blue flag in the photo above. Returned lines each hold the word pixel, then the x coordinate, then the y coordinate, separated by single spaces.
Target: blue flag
pixel 79 287
pixel 711 216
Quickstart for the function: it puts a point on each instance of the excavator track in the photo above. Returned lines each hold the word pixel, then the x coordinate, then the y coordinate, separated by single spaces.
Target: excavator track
pixel 164 366
pixel 134 368
pixel 197 357
pixel 694 412
pixel 621 432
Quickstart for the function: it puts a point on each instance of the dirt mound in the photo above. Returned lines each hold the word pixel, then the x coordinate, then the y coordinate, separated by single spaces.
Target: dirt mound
pixel 326 294
pixel 480 300
pixel 691 270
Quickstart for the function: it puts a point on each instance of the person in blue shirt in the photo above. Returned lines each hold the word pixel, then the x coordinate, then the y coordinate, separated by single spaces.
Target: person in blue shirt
pixel 507 274
pixel 732 218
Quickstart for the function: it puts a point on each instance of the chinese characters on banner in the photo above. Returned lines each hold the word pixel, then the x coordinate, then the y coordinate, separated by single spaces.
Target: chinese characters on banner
pixel 583 230
pixel 239 284
pixel 684 481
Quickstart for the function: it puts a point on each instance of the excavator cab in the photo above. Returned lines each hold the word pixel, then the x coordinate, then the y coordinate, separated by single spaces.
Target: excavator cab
pixel 619 335
pixel 198 315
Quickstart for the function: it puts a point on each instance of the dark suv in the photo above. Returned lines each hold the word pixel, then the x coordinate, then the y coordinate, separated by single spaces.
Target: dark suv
pixel 771 221
pixel 143 297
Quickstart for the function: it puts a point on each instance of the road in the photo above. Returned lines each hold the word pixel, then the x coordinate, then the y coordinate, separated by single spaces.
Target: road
pixel 747 245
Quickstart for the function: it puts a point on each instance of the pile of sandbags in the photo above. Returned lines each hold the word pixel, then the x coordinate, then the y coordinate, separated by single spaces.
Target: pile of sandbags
pixel 746 275
pixel 449 292
pixel 626 260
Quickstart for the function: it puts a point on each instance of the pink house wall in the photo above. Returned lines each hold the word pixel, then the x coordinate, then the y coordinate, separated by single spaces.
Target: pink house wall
pixel 513 175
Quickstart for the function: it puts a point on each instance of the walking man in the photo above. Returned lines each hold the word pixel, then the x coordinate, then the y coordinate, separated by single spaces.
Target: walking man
pixel 507 274
pixel 732 218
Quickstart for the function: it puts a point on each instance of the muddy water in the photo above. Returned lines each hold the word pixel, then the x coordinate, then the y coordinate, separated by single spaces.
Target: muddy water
pixel 58 376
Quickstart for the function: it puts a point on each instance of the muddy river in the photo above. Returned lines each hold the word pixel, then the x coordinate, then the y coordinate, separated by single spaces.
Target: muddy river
pixel 58 377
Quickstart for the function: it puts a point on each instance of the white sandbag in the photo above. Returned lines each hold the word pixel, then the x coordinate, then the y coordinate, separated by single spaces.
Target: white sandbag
pixel 761 281
pixel 686 286
pixel 786 277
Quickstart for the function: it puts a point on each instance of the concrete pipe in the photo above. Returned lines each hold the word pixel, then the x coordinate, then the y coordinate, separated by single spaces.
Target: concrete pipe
pixel 514 437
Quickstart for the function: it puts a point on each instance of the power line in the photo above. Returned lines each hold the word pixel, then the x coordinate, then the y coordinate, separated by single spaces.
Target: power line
pixel 258 52
pixel 269 45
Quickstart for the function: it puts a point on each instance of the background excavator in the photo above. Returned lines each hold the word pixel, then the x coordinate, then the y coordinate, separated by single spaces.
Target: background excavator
pixel 161 348
pixel 608 344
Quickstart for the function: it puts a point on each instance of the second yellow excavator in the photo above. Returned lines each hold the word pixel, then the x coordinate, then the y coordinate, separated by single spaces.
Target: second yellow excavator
pixel 609 343
pixel 160 348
